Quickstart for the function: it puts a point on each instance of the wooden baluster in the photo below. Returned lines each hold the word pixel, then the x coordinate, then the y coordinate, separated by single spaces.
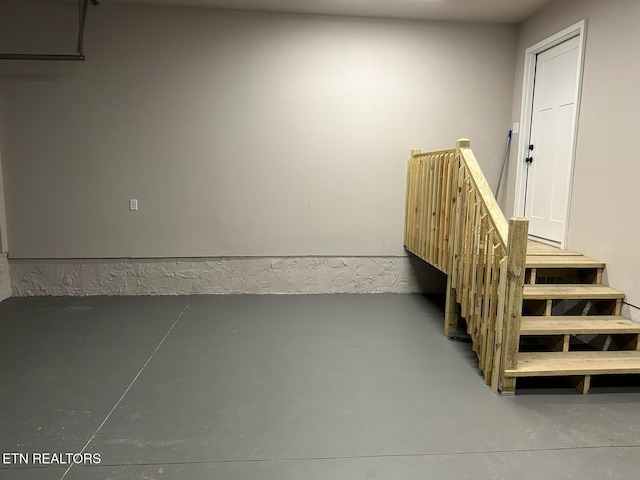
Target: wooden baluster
pixel 442 190
pixel 414 205
pixel 486 302
pixel 479 296
pixel 409 203
pixel 435 209
pixel 467 251
pixel 464 220
pixel 428 224
pixel 493 310
pixel 497 357
pixel 461 213
pixel 424 180
pixel 446 215
pixel 454 224
pixel 473 279
pixel 452 311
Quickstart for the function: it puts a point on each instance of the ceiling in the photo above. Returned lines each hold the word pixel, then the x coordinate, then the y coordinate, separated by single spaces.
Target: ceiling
pixel 496 11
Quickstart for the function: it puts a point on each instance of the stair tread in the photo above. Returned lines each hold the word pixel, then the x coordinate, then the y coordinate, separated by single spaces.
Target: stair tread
pixel 534 248
pixel 565 325
pixel 570 291
pixel 541 364
pixel 562 261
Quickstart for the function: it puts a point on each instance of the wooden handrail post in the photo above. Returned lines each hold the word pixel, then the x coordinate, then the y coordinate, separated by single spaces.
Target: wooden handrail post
pixel 515 271
pixel 454 222
pixel 462 143
pixel 451 310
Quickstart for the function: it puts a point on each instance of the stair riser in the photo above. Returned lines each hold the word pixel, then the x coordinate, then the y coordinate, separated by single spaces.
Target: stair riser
pixel 572 276
pixel 578 342
pixel 561 307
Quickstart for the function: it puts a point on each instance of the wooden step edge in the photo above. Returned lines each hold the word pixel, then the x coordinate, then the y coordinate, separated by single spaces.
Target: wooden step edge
pixel 562 261
pixel 570 291
pixel 577 325
pixel 557 253
pixel 547 364
pixel 539 249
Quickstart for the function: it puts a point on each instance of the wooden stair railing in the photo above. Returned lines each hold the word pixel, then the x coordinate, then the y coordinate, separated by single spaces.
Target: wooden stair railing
pixel 453 221
pixel 531 310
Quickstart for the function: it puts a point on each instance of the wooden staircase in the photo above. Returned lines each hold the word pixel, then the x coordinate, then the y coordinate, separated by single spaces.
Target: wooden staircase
pixel 530 310
pixel 571 324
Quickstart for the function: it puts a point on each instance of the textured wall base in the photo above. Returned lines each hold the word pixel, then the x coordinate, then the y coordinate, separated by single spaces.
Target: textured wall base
pixel 631 311
pixel 5 283
pixel 186 276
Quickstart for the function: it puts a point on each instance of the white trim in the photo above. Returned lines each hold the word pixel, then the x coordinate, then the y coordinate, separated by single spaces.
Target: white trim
pixel 579 29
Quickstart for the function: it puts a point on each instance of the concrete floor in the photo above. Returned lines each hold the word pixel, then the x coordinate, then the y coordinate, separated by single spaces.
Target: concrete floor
pixel 283 387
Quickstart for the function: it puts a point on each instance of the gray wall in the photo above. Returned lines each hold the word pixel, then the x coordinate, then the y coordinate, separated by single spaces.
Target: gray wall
pixel 239 133
pixel 604 219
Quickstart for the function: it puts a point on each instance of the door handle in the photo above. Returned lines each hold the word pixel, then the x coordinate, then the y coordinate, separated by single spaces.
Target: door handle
pixel 529 160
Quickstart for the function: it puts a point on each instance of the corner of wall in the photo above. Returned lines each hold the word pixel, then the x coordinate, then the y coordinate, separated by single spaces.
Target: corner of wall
pixel 5 279
pixel 5 282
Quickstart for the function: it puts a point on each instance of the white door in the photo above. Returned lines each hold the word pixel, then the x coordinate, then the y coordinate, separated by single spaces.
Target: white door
pixel 549 163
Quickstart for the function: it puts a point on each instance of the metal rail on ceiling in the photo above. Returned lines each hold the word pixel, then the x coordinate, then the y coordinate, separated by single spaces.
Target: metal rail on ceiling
pixel 78 56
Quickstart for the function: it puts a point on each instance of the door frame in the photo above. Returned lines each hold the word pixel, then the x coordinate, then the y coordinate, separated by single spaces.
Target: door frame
pixel 528 82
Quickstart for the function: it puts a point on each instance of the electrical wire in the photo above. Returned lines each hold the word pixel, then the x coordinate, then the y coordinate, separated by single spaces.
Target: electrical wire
pixel 507 149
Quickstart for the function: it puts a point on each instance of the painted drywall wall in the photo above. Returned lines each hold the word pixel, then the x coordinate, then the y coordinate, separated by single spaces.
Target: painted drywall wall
pixel 604 222
pixel 239 133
